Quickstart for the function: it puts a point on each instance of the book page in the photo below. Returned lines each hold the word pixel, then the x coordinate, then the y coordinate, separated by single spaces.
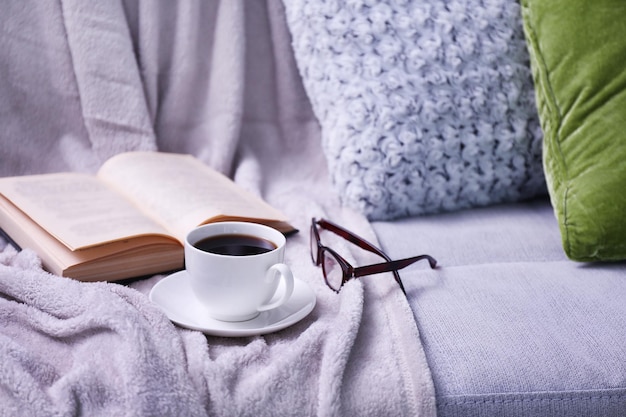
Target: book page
pixel 77 209
pixel 120 259
pixel 181 192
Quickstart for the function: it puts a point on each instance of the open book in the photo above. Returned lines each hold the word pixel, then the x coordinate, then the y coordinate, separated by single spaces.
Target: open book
pixel 128 220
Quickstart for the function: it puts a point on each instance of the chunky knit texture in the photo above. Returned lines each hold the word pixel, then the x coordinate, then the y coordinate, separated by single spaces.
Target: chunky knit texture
pixel 425 106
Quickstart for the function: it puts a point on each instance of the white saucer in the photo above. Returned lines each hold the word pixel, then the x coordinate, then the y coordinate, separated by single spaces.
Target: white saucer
pixel 174 295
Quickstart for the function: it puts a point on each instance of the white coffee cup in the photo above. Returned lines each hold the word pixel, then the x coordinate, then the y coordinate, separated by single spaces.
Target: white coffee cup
pixel 237 287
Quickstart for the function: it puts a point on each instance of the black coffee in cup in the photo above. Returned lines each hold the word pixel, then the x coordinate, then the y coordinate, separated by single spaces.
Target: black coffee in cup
pixel 235 245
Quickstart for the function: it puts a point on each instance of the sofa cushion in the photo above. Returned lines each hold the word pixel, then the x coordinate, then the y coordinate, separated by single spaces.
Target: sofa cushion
pixel 424 106
pixel 578 49
pixel 510 326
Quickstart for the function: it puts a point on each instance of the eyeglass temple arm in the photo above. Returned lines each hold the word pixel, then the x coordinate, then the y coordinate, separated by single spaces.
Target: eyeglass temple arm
pixel 392 265
pixel 349 236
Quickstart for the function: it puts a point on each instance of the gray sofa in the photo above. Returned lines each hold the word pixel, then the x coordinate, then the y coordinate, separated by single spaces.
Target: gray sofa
pixel 509 325
pixel 428 112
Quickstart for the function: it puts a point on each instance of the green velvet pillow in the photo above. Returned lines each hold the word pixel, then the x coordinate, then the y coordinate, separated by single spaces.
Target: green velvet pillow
pixel 578 58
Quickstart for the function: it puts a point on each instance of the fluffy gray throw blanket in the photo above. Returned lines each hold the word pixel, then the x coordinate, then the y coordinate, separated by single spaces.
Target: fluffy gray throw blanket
pixel 217 80
pixel 71 349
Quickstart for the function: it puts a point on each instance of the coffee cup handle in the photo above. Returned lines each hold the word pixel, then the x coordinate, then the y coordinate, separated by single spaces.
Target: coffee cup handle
pixel 287 276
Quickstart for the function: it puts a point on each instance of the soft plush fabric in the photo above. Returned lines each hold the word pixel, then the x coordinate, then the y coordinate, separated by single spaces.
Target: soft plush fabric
pixel 510 326
pixel 424 105
pixel 72 349
pixel 43 89
pixel 578 49
pixel 215 79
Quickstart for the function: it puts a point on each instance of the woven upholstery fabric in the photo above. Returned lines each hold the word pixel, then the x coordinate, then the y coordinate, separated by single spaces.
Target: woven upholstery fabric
pixel 425 106
pixel 509 325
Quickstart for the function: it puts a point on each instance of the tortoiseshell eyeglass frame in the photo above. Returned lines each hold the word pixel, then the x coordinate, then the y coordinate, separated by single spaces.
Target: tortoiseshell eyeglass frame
pixel 319 251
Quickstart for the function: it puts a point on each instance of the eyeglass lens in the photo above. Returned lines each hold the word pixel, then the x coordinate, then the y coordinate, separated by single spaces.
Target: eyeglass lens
pixel 314 246
pixel 333 273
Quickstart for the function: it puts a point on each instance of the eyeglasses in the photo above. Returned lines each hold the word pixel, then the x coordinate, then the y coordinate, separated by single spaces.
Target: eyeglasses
pixel 337 271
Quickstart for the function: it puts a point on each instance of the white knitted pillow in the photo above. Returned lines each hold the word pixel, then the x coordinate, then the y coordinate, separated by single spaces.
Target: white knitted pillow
pixel 425 106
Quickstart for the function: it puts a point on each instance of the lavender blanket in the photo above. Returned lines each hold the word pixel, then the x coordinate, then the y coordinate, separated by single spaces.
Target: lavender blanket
pixel 217 80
